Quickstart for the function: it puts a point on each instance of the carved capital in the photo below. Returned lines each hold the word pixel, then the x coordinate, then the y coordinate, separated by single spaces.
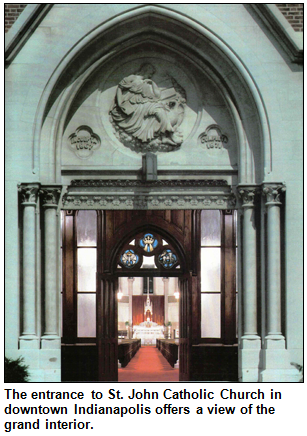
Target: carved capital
pixel 272 192
pixel 50 195
pixel 248 195
pixel 28 192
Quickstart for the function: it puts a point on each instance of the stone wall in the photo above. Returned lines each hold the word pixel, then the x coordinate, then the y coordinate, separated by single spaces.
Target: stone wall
pixel 12 12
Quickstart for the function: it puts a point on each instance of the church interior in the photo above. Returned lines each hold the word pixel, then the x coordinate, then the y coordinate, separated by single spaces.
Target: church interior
pixel 148 289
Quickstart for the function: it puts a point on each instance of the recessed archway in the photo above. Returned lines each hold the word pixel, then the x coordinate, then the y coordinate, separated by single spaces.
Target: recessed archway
pixel 147 25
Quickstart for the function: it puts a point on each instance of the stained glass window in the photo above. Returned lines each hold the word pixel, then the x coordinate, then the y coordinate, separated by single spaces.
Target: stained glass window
pixel 148 242
pixel 167 258
pixel 129 258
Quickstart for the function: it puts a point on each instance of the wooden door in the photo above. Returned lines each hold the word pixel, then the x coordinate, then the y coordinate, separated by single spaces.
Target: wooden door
pixel 185 286
pixel 107 335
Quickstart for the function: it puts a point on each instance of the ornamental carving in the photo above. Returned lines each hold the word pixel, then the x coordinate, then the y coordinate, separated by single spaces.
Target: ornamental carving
pixel 83 142
pixel 248 194
pixel 273 192
pixel 28 193
pixel 213 138
pixel 143 202
pixel 96 183
pixel 50 196
pixel 147 117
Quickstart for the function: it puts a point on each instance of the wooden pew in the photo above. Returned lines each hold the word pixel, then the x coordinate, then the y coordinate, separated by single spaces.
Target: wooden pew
pixel 169 349
pixel 127 348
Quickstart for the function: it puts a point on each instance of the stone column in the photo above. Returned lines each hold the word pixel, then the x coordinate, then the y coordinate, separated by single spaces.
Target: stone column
pixel 130 293
pixel 29 338
pixel 166 290
pixel 250 343
pixel 275 360
pixel 50 197
pixel 272 193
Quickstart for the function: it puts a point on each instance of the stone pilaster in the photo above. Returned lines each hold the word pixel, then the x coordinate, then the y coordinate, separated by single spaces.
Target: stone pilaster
pixel 28 338
pixel 275 362
pixel 250 343
pixel 50 197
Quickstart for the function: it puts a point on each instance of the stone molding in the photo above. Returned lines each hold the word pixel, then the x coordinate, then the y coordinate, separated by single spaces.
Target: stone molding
pixel 152 184
pixel 94 201
pixel 272 193
pixel 291 41
pixel 19 34
pixel 158 194
pixel 28 192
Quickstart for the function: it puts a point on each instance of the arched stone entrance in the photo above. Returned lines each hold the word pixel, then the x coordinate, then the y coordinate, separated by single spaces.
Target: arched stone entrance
pixel 223 162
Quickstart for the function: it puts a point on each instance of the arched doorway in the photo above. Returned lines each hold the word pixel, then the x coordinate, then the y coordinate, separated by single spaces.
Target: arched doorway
pixel 225 148
pixel 197 247
pixel 141 249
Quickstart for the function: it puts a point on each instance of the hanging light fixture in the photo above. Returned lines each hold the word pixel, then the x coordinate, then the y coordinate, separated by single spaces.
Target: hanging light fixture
pixel 119 295
pixel 177 295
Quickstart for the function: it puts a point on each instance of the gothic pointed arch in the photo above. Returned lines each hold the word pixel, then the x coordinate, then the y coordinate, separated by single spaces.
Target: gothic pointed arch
pixel 178 40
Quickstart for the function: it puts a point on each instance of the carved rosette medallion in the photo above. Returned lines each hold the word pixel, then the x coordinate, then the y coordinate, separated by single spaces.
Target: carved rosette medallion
pixel 50 196
pixel 28 193
pixel 146 117
pixel 213 138
pixel 273 192
pixel 248 195
pixel 83 142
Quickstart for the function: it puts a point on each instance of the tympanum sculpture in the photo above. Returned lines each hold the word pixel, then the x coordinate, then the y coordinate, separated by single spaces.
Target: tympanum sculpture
pixel 147 117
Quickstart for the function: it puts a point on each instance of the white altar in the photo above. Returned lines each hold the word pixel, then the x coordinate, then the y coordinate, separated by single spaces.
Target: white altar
pixel 148 332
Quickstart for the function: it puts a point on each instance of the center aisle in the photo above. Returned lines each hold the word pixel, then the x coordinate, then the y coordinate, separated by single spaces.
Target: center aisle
pixel 148 365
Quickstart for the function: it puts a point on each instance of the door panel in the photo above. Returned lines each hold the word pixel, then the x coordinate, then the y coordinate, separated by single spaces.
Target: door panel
pixel 107 328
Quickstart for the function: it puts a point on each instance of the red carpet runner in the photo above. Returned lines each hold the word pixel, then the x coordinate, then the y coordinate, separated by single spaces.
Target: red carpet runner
pixel 148 365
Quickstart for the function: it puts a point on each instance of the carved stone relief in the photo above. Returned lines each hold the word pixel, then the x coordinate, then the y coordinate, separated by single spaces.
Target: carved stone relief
pixel 50 196
pixel 83 142
pixel 28 192
pixel 147 117
pixel 160 194
pixel 273 192
pixel 192 183
pixel 77 201
pixel 213 138
pixel 248 195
